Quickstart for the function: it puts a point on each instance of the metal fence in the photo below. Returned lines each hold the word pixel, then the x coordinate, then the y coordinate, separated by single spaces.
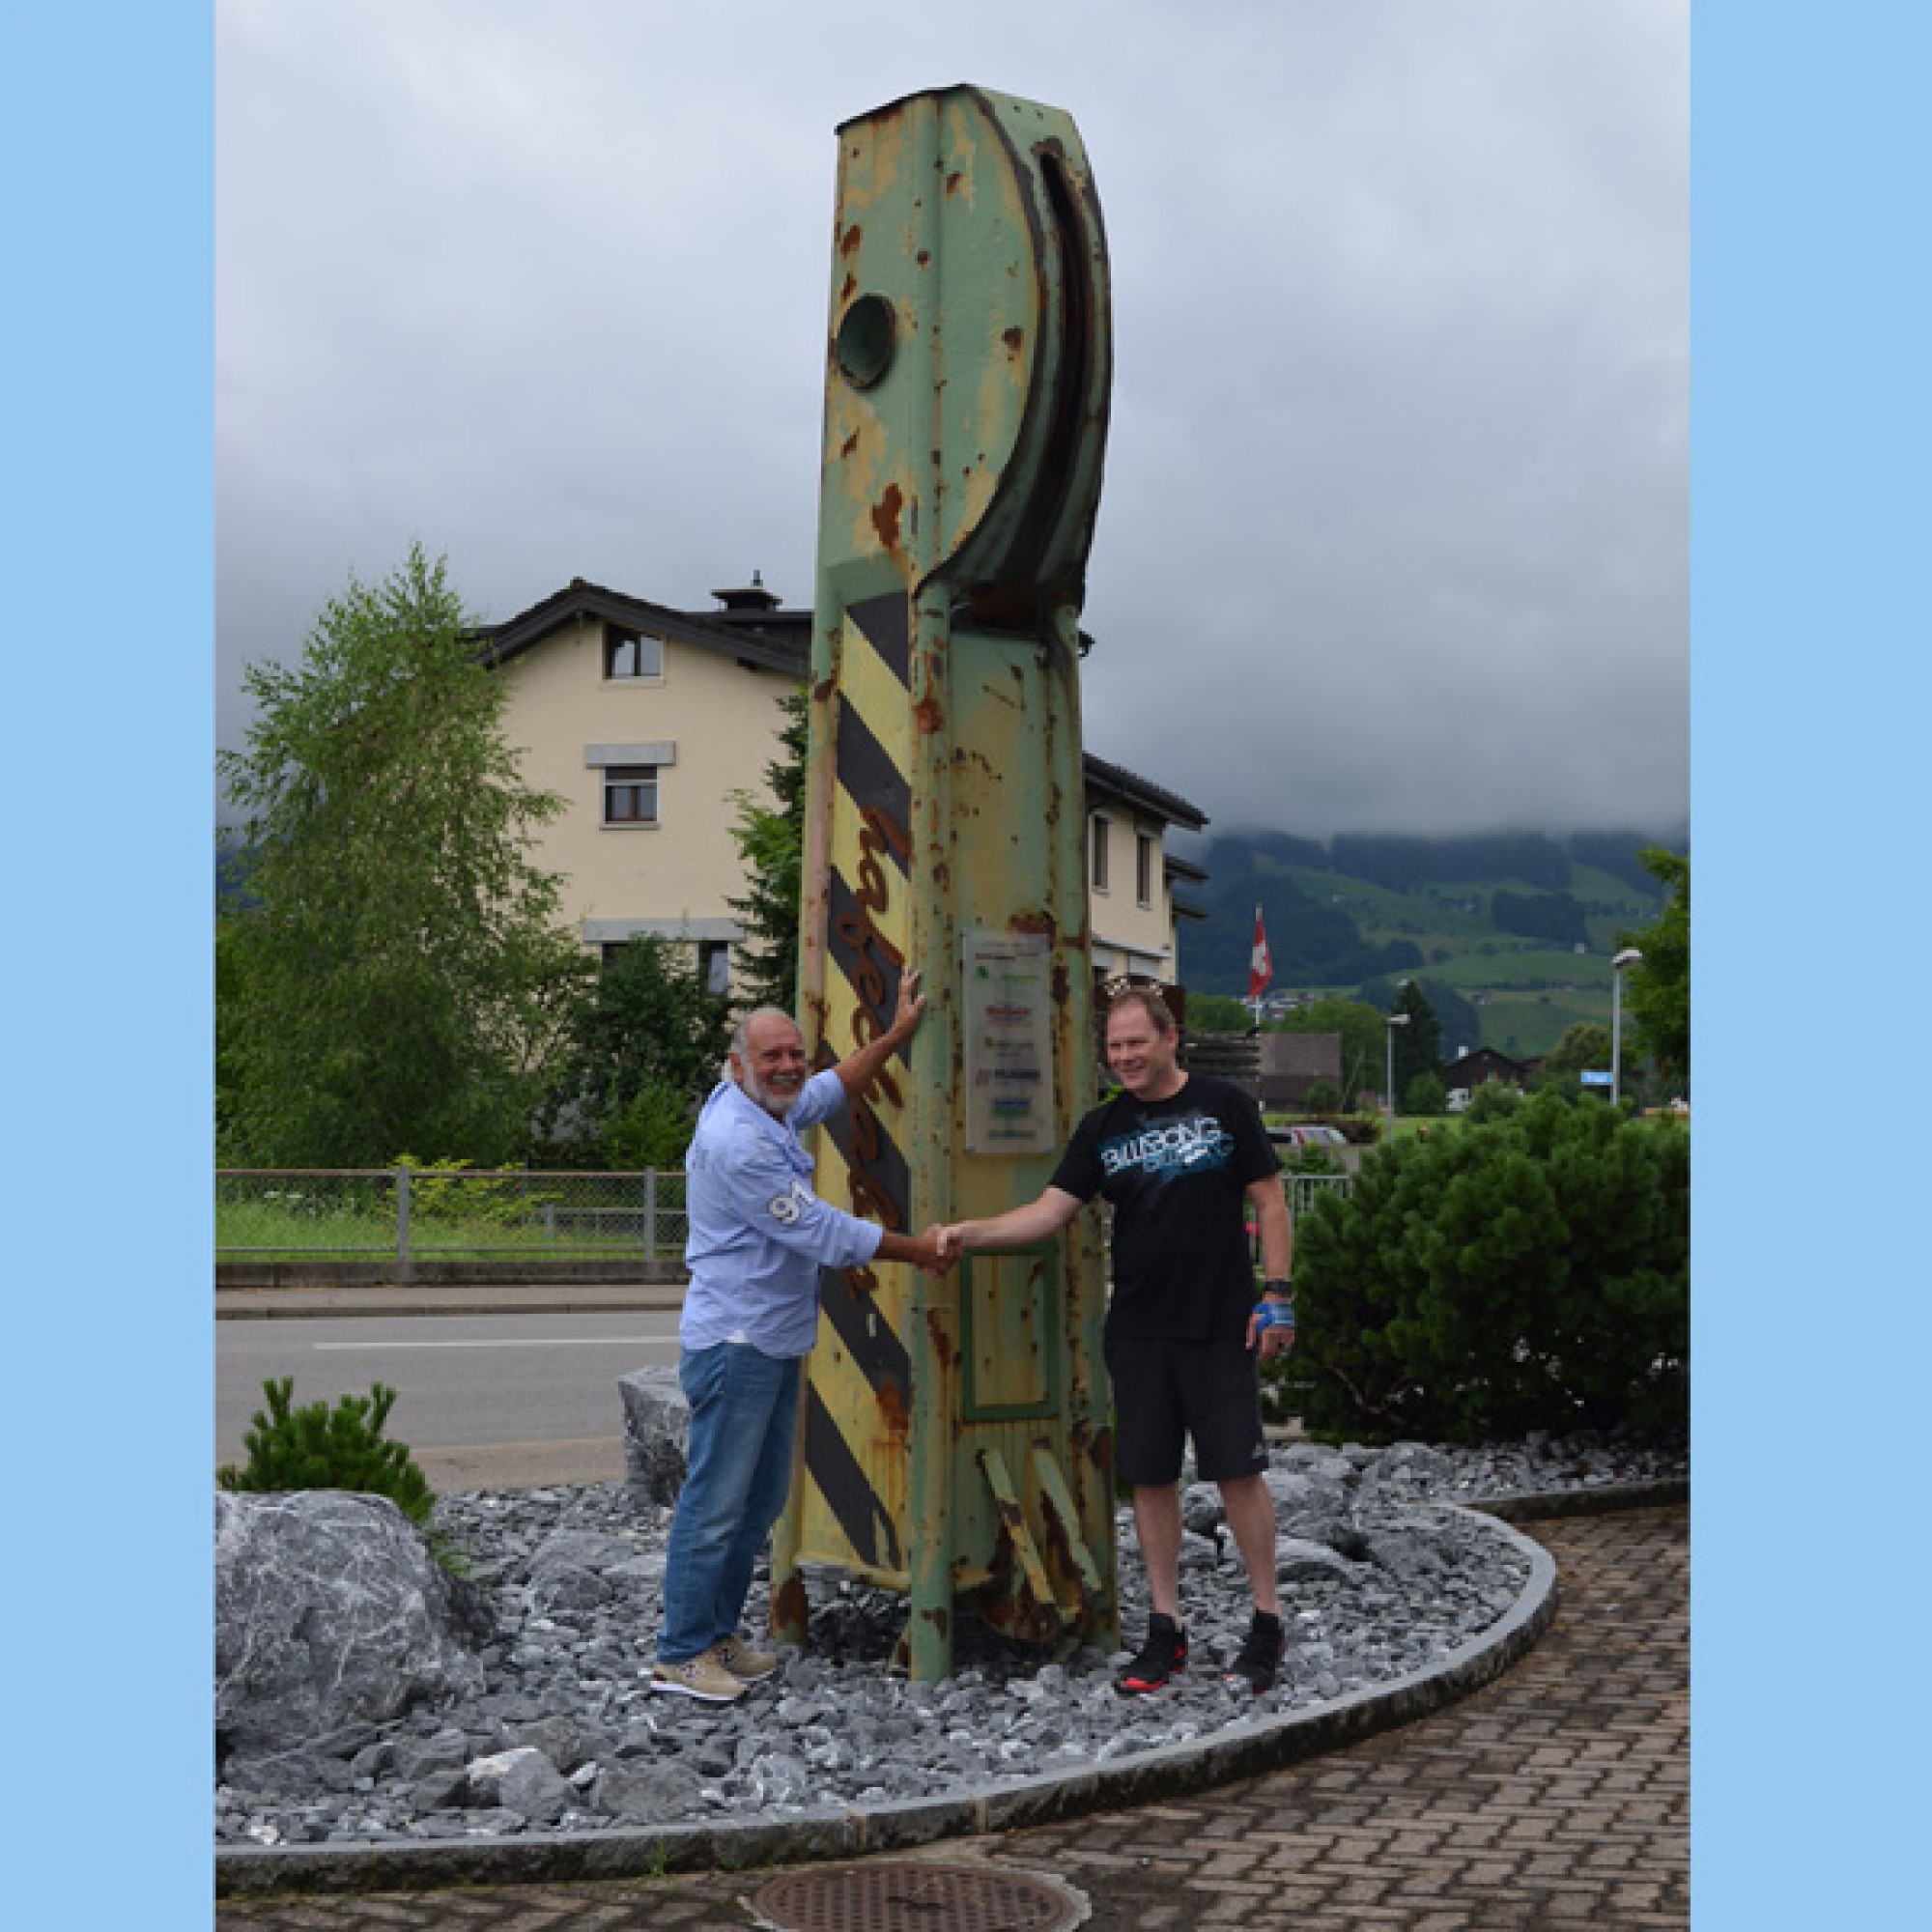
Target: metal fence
pixel 413 1213
pixel 1304 1188
pixel 443 1214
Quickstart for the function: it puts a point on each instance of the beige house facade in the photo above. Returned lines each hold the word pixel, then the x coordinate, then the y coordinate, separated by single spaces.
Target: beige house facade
pixel 648 720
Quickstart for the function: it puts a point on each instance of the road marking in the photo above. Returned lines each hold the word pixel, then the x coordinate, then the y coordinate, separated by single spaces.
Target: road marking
pixel 517 1341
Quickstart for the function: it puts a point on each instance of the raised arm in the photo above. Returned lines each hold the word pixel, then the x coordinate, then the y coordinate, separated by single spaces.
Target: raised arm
pixel 858 1070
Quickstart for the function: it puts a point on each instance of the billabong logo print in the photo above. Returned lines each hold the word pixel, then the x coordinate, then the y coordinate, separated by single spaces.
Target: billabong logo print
pixel 1197 1145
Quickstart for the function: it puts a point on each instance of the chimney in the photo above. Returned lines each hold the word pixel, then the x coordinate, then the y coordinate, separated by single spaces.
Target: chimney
pixel 753 598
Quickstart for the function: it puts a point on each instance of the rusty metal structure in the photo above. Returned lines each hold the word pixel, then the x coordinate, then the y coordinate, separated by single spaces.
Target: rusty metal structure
pixel 955 1439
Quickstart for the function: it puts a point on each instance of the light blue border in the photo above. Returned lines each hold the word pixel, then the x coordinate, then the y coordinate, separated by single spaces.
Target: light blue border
pixel 1811 431
pixel 105 152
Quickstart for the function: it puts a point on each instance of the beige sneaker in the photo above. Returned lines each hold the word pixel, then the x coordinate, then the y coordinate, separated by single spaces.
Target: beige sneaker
pixel 703 1677
pixel 744 1660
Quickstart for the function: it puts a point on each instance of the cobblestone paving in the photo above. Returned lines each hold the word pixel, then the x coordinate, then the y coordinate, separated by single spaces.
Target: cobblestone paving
pixel 1556 1797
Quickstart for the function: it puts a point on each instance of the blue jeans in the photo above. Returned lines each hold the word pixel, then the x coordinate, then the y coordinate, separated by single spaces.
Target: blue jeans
pixel 744 1408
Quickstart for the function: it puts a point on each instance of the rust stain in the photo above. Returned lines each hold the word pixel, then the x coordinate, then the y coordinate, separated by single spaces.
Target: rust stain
pixel 923 257
pixel 850 444
pixel 929 715
pixel 847 287
pixel 893 1411
pixel 953 180
pixel 942 1341
pixel 791 1607
pixel 823 691
pixel 1033 922
pixel 940 1618
pixel 849 243
pixel 885 515
pixel 1013 338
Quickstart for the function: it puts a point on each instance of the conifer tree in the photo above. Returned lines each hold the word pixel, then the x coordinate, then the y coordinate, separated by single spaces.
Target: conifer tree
pixel 771 841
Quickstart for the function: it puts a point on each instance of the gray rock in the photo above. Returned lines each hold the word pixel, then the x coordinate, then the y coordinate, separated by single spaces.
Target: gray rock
pixel 330 1610
pixel 645 1794
pixel 1201 1509
pixel 836 1726
pixel 657 1424
pixel 522 1780
pixel 1297 1560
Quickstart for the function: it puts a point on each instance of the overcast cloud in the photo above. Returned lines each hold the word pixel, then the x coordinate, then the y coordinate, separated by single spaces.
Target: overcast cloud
pixel 1394 530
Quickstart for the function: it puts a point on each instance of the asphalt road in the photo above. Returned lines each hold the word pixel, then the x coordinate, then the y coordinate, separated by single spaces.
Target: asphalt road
pixel 483 1402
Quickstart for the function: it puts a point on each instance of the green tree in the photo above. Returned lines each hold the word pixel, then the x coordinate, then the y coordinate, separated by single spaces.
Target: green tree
pixel 1425 1095
pixel 399 975
pixel 1218 1013
pixel 771 842
pixel 644 1047
pixel 1584 1047
pixel 1419 1045
pixel 1658 989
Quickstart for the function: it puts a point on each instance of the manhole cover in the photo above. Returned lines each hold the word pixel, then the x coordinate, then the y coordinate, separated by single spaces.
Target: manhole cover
pixel 917 1898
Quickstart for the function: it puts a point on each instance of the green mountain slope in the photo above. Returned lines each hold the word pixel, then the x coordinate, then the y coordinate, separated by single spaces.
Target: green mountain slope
pixel 1521 927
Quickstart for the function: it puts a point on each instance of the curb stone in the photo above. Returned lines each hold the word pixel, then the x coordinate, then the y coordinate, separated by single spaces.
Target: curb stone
pixel 1238 1750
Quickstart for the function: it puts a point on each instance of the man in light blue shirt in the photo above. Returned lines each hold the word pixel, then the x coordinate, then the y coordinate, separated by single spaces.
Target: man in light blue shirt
pixel 759 1237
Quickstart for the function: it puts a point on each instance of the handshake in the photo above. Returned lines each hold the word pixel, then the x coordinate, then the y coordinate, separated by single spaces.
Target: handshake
pixel 934 1252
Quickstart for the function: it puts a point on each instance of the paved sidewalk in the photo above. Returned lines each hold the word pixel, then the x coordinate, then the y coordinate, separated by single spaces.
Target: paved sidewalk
pixel 556 1298
pixel 1556 1797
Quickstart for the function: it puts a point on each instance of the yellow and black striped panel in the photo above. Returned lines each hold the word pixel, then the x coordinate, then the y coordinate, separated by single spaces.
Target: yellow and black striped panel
pixel 858 1398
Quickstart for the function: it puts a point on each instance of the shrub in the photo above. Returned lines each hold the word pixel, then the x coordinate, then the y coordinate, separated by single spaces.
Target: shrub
pixel 653 1128
pixel 318 1448
pixel 444 1191
pixel 1531 1270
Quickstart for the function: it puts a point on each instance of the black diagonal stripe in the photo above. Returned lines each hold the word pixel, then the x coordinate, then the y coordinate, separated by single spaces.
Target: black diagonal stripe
pixel 883 619
pixel 842 1481
pixel 869 777
pixel 868 1338
pixel 861 951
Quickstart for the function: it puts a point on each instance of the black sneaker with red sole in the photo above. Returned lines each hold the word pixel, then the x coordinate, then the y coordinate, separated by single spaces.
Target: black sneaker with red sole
pixel 1164 1655
pixel 1256 1665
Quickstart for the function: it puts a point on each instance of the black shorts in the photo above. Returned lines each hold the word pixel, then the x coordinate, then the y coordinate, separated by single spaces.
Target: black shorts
pixel 1165 1390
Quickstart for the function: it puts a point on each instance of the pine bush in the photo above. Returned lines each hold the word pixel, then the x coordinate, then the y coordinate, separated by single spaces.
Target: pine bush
pixel 317 1447
pixel 1529 1271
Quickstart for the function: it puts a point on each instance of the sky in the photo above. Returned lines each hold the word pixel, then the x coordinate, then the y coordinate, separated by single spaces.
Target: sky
pixel 1394 530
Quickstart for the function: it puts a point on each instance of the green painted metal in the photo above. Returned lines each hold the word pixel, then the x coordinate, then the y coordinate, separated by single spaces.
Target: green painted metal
pixel 968 367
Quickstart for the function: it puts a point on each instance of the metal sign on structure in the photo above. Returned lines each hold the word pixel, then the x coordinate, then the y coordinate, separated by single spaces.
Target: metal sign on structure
pixel 955 1439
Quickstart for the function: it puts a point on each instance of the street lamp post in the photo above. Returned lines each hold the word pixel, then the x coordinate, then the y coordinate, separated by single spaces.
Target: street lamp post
pixel 1390 1021
pixel 1620 964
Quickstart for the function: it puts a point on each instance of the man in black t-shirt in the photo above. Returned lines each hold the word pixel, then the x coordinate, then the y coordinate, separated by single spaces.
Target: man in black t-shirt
pixel 1180 1157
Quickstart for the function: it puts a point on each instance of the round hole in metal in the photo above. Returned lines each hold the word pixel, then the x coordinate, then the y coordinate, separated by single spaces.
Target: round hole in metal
pixel 910 1895
pixel 864 341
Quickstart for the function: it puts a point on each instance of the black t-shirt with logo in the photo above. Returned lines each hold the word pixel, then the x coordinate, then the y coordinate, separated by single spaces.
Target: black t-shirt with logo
pixel 1176 1174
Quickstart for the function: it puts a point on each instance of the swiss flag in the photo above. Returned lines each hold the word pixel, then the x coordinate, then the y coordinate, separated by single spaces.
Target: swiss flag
pixel 1261 968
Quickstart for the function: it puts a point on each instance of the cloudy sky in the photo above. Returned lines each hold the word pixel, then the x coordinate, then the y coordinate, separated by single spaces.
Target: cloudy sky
pixel 1394 530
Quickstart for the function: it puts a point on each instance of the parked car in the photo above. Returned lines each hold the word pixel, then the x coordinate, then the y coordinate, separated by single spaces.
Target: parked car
pixel 1308 1134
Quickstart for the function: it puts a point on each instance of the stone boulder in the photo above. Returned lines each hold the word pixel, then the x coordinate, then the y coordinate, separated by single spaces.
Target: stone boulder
pixel 657 1424
pixel 329 1611
pixel 522 1780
